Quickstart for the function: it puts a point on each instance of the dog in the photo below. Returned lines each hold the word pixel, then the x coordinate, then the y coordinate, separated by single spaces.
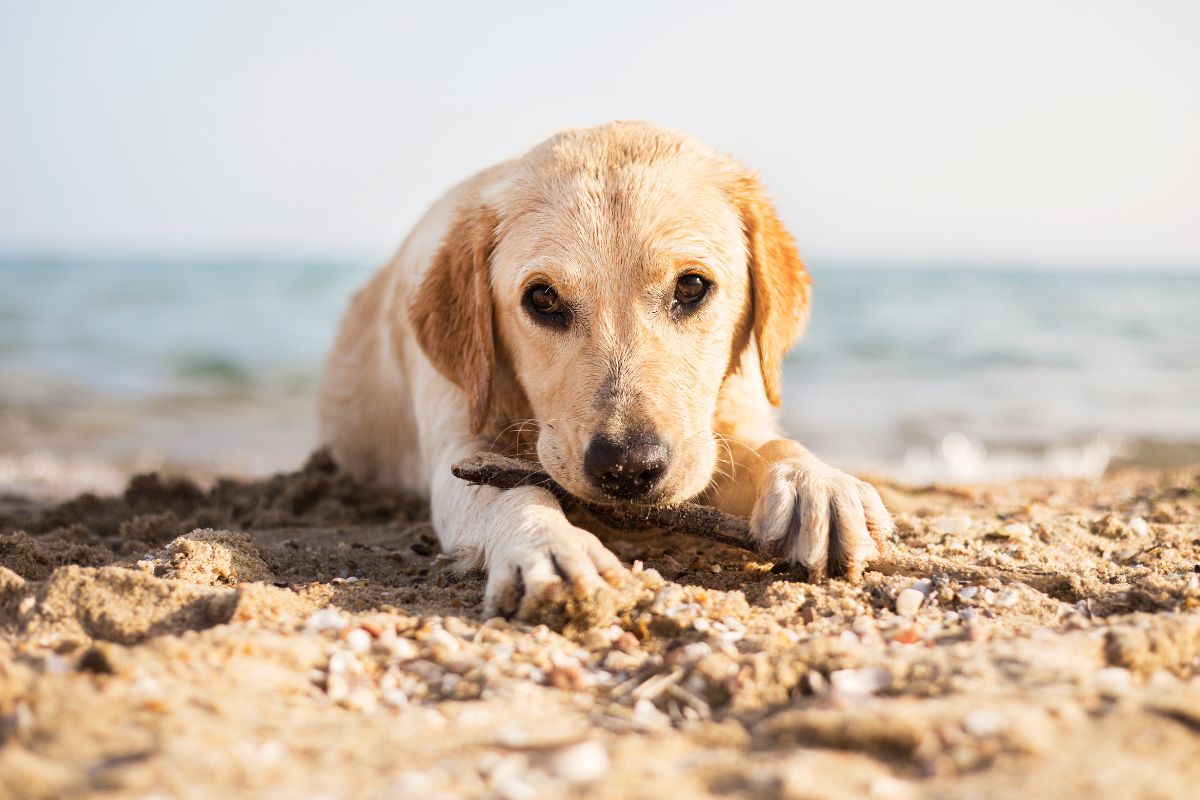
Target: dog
pixel 618 301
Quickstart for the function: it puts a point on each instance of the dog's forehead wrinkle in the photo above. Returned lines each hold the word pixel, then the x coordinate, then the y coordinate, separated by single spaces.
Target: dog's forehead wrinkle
pixel 627 199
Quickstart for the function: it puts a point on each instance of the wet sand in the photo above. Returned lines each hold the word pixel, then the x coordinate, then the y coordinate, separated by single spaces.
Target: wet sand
pixel 302 636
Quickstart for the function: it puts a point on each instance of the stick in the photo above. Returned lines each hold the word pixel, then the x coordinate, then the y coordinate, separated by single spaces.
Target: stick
pixel 492 469
pixel 504 472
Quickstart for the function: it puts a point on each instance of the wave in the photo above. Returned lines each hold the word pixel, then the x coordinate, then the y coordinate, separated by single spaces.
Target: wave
pixel 959 458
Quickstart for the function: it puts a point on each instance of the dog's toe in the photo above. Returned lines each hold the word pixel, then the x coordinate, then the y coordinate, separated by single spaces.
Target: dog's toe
pixel 818 517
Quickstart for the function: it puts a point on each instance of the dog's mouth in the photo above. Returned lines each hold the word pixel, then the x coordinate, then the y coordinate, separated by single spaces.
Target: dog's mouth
pixel 650 500
pixel 588 492
pixel 638 469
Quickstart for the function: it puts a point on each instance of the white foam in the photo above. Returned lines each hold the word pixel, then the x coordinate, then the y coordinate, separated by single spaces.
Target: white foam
pixel 962 459
pixel 48 476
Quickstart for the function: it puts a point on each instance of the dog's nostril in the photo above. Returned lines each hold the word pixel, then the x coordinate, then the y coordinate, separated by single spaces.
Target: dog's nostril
pixel 626 469
pixel 650 475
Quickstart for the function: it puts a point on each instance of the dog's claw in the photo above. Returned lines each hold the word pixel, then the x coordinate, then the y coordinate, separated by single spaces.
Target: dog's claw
pixel 548 569
pixel 820 518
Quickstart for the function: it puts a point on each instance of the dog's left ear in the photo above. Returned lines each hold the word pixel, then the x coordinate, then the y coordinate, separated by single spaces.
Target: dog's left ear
pixel 779 283
pixel 452 310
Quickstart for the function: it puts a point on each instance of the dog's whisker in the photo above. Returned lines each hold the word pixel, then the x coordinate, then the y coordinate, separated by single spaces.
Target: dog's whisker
pixel 726 439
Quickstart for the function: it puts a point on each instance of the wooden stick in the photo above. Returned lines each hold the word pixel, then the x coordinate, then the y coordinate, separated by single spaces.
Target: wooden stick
pixel 504 472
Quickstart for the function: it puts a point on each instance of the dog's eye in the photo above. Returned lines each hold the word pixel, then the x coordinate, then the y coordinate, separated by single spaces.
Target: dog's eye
pixel 690 289
pixel 546 306
pixel 544 300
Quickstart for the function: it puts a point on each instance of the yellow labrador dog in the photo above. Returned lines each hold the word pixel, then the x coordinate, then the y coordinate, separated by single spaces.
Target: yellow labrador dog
pixel 618 301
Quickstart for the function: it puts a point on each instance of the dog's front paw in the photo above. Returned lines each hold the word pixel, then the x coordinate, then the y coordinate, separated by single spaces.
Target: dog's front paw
pixel 542 570
pixel 819 517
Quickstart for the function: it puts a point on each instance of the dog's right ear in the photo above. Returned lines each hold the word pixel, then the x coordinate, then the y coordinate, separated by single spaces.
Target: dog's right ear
pixel 452 310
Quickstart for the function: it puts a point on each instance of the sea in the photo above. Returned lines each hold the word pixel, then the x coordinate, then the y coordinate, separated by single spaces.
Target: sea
pixel 110 366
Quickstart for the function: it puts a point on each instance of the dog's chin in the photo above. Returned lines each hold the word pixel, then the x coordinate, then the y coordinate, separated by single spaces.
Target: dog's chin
pixel 582 490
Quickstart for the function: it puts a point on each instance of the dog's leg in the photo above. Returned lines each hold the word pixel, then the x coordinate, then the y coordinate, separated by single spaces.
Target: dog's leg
pixel 803 509
pixel 532 554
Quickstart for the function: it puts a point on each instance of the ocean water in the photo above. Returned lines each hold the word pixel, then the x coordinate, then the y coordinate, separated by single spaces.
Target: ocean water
pixel 109 365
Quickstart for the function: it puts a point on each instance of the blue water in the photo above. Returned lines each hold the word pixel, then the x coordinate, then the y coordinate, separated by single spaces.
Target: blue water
pixel 902 366
pixel 924 373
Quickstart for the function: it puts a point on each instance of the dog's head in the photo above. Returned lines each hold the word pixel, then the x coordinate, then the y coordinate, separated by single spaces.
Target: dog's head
pixel 614 278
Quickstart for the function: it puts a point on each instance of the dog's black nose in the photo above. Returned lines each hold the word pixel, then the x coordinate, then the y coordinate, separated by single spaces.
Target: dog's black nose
pixel 629 468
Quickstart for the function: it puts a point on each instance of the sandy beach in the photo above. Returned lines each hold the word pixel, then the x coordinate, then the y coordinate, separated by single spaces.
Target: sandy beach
pixel 302 637
pixel 744 253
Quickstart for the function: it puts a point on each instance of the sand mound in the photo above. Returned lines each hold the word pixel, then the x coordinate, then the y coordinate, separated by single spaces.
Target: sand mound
pixel 154 509
pixel 35 559
pixel 213 558
pixel 77 605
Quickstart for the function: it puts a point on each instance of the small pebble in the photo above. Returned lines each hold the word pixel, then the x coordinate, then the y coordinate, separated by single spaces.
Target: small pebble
pixel 1113 681
pixel 146 688
pixel 859 682
pixel 1016 530
pixel 341 662
pixel 358 640
pixel 984 724
pixel 908 602
pixel 627 642
pixel 438 637
pixel 1008 598
pixel 401 649
pixel 694 652
pixel 580 763
pixel 646 715
pixel 989 596
pixel 327 619
pixel 968 592
pixel 730 630
pixel 1139 526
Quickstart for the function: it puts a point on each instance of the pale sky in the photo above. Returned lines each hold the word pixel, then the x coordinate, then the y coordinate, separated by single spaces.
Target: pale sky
pixel 1063 133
